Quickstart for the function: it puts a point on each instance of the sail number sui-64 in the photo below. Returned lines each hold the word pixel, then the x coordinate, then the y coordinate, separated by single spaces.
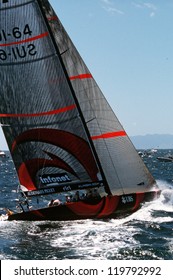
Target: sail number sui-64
pixel 16 51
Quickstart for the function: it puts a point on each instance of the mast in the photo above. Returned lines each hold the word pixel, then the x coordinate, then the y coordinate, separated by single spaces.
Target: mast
pixel 75 99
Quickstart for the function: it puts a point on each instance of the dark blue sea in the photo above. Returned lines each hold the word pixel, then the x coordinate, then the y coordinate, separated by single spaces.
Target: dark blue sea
pixel 145 235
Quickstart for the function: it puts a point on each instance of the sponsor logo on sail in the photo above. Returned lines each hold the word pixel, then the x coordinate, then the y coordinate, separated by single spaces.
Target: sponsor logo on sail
pixel 54 179
pixel 41 192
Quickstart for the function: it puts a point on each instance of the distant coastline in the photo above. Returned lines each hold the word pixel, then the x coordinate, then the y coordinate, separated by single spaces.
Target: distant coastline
pixel 150 141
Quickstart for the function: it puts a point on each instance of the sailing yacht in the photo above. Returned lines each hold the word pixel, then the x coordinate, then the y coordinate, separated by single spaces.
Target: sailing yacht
pixel 62 133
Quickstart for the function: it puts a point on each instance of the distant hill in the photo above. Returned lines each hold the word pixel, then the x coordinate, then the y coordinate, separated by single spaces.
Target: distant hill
pixel 149 141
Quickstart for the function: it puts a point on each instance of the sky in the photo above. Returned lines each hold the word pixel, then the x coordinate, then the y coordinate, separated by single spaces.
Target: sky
pixel 128 47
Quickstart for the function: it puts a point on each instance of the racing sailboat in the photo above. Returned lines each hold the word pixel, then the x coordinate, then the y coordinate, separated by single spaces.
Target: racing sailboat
pixel 64 138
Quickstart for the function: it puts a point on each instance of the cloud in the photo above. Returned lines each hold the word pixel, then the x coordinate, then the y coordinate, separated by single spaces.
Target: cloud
pixel 147 6
pixel 150 6
pixel 110 7
pixel 113 10
pixel 137 5
pixel 152 14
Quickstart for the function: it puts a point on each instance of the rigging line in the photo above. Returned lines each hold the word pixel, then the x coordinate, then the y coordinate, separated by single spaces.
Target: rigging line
pixel 91 120
pixel 64 52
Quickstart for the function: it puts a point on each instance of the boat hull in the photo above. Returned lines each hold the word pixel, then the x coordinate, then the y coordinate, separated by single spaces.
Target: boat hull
pixel 165 159
pixel 107 207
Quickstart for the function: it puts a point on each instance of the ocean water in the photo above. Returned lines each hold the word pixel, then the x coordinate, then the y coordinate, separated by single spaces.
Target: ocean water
pixel 145 235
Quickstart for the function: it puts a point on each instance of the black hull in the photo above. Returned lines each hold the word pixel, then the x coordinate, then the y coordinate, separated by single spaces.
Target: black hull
pixel 107 207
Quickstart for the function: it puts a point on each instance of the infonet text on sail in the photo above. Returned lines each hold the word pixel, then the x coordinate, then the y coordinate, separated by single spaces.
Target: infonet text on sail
pixel 54 178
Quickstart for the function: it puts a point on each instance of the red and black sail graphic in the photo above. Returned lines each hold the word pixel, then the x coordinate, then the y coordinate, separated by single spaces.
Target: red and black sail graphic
pixel 39 113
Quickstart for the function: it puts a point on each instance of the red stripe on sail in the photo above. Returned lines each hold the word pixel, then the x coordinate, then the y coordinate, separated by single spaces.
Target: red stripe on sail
pixel 81 77
pixel 58 111
pixel 109 135
pixel 26 40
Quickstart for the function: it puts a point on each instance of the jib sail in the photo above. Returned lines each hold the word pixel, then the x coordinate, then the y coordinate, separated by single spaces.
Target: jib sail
pixel 124 170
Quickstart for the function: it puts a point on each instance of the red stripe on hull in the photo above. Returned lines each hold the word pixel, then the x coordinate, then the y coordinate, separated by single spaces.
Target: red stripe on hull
pixel 111 203
pixel 26 40
pixel 54 112
pixel 38 213
pixel 80 77
pixel 83 209
pixel 139 199
pixel 108 207
pixel 109 135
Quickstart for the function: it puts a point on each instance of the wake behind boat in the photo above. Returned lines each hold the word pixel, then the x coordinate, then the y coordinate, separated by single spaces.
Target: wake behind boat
pixel 62 133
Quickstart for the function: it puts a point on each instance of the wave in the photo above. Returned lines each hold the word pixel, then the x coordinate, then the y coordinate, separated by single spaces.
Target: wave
pixel 145 234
